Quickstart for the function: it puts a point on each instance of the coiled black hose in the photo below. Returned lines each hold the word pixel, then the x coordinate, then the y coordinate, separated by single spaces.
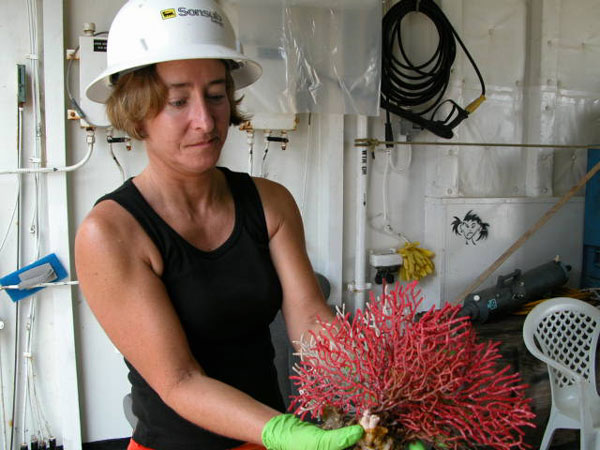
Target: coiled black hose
pixel 412 90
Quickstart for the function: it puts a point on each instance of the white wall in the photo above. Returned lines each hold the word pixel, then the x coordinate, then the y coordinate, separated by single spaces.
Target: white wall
pixel 541 62
pixel 44 322
pixel 532 55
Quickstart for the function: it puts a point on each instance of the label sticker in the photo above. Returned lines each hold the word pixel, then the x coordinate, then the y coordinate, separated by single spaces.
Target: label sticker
pixel 100 45
pixel 168 13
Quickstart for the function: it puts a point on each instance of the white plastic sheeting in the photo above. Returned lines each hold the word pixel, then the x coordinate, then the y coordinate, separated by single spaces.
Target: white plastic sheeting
pixel 321 57
pixel 541 63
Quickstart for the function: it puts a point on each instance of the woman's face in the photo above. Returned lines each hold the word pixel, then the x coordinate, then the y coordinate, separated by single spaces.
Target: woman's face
pixel 188 133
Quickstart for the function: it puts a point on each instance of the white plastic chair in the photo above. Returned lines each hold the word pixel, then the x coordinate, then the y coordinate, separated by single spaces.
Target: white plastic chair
pixel 563 333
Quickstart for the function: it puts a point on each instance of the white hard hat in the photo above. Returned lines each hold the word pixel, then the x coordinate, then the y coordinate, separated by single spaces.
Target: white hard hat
pixel 146 32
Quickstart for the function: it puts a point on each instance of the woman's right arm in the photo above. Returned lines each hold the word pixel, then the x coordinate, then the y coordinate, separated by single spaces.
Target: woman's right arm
pixel 118 269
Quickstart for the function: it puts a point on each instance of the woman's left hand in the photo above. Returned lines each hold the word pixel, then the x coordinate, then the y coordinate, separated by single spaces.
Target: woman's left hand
pixel 287 432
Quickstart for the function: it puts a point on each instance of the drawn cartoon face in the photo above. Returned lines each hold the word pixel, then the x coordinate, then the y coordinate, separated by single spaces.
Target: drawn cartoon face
pixel 469 228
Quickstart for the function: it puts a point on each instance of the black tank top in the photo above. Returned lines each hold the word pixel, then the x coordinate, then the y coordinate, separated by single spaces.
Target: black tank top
pixel 225 299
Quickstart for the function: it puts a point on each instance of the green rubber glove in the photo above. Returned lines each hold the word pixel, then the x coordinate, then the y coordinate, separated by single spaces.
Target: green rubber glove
pixel 416 445
pixel 287 432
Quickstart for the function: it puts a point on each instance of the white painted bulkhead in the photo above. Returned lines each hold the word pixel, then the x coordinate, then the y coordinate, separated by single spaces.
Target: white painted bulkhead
pixel 541 63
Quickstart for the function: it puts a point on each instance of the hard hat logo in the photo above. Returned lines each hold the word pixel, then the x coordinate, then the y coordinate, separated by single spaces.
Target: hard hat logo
pixel 168 13
pixel 214 16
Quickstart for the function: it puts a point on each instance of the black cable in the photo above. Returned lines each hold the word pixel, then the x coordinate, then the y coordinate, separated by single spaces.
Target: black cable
pixel 413 90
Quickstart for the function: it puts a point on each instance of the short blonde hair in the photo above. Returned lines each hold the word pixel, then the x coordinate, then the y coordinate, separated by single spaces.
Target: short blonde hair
pixel 141 94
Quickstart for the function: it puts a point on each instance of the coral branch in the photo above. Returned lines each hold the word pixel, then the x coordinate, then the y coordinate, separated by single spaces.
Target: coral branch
pixel 425 376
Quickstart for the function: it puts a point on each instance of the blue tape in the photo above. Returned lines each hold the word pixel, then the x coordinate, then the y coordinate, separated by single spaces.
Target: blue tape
pixel 13 278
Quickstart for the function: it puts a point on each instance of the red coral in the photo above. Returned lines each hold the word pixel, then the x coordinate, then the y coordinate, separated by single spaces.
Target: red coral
pixel 425 376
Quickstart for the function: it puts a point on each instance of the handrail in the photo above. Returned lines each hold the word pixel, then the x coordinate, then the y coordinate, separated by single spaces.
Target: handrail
pixel 365 142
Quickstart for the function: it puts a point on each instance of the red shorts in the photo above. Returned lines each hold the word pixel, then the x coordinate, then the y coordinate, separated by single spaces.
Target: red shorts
pixel 135 446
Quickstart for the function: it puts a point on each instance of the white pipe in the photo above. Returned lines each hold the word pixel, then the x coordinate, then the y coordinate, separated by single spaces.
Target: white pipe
pixel 35 65
pixel 90 139
pixel 307 155
pixel 35 286
pixel 360 260
pixel 20 375
pixel 26 399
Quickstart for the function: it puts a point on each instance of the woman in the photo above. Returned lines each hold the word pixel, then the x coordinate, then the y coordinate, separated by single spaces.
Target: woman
pixel 186 264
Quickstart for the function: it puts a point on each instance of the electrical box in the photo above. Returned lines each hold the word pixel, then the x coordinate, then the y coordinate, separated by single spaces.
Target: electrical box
pixel 274 121
pixel 21 83
pixel 92 61
pixel 461 257
pixel 386 258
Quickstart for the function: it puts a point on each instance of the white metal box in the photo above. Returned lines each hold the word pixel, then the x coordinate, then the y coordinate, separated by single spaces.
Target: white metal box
pixel 462 257
pixel 92 61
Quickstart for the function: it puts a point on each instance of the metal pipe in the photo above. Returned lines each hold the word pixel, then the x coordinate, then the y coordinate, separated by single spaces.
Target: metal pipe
pixel 373 143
